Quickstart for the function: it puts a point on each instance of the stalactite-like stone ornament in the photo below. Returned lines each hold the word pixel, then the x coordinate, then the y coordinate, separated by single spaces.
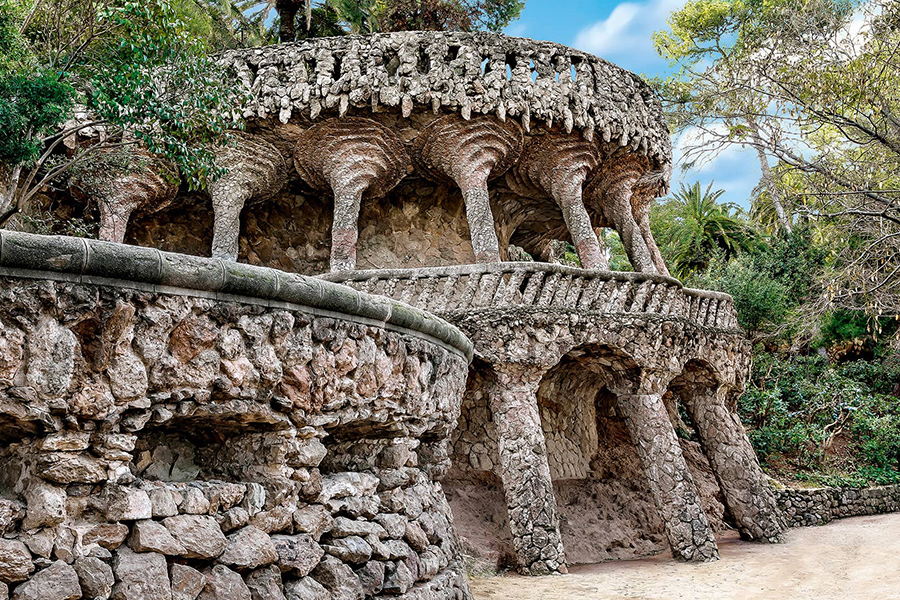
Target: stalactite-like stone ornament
pixel 468 153
pixel 124 181
pixel 351 157
pixel 255 171
pixel 558 165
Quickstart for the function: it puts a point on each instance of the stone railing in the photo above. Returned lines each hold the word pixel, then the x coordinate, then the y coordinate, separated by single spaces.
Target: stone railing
pixel 466 72
pixel 98 262
pixel 448 290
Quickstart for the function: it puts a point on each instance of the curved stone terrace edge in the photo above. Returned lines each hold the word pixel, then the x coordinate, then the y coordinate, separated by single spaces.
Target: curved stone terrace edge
pixel 470 73
pixel 96 262
pixel 720 299
pixel 503 267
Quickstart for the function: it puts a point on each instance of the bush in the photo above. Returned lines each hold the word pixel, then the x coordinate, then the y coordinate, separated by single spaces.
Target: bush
pixel 797 407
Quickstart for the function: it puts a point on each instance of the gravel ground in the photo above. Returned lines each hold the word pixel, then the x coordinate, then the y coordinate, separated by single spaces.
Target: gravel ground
pixel 856 558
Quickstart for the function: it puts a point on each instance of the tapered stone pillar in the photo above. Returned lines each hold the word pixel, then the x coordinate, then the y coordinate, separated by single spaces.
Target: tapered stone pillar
pixel 255 169
pixel 618 194
pixel 533 516
pixel 671 485
pixel 468 153
pixel 128 180
pixel 351 157
pixel 558 165
pixel 748 496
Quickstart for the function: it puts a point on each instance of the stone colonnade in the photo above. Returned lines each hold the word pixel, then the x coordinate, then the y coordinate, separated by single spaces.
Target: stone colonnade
pixel 356 159
pixel 640 386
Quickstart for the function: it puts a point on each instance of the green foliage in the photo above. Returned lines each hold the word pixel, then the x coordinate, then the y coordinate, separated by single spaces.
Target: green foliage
pixel 827 423
pixel 31 106
pixel 692 227
pixel 618 259
pixel 158 82
pixel 759 299
pixel 14 54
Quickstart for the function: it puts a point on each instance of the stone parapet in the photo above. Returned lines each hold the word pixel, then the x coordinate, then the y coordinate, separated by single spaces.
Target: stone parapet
pixel 459 289
pixel 260 435
pixel 98 262
pixel 817 506
pixel 469 73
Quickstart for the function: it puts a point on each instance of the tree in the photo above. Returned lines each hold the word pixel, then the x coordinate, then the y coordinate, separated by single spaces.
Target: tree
pixel 696 228
pixel 815 86
pixel 143 77
pixel 370 16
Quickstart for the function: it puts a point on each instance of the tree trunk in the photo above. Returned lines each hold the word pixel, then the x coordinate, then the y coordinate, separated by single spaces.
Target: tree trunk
pixel 287 11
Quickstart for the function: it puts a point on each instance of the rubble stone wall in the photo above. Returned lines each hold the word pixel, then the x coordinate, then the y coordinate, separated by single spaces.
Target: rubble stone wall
pixel 261 436
pixel 821 505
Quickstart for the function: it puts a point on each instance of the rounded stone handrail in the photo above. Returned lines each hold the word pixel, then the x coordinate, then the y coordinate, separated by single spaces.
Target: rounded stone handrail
pixel 469 73
pixel 110 263
pixel 455 289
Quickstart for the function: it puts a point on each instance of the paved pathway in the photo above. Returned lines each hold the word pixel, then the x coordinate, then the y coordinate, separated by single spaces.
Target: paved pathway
pixel 855 558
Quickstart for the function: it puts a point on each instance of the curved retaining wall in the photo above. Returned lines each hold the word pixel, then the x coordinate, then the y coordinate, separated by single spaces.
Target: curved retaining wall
pixel 175 427
pixel 820 505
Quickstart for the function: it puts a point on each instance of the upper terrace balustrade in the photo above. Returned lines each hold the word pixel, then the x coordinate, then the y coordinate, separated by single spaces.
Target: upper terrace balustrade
pixel 469 73
pixel 451 290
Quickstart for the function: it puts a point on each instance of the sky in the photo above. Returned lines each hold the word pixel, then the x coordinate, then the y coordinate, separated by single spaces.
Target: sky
pixel 620 32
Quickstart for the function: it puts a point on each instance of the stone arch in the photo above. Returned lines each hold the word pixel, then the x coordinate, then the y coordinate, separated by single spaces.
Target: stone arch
pixel 473 485
pixel 709 402
pixel 602 494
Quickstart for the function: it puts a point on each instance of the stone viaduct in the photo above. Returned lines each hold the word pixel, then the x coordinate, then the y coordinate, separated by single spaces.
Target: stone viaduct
pixel 232 427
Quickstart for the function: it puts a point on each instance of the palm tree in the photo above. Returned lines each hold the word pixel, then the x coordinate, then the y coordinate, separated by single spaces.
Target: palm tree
pixel 703 228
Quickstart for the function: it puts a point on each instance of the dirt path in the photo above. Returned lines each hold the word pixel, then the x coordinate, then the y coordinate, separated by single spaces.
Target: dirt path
pixel 854 558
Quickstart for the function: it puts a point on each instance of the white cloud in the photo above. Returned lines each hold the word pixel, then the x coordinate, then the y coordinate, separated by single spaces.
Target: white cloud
pixel 624 36
pixel 518 29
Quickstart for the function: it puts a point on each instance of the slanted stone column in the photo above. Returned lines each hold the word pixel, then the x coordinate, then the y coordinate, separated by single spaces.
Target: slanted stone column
pixel 350 156
pixel 126 181
pixel 255 169
pixel 533 517
pixel 749 498
pixel 613 193
pixel 468 153
pixel 674 493
pixel 558 165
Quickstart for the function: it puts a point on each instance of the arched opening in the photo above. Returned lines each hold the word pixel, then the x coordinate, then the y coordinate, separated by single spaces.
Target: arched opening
pixel 473 486
pixel 697 377
pixel 603 497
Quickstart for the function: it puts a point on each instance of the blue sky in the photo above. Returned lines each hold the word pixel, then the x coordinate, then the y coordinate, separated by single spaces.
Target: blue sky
pixel 620 32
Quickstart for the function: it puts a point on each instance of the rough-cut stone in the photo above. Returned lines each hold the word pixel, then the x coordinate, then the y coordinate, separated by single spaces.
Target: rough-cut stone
pixel 212 442
pixel 162 502
pixel 46 505
pixel 187 582
pixel 15 561
pixel 95 576
pixel 152 536
pixel 11 513
pixel 249 548
pixel 108 535
pixel 59 581
pixel 201 537
pixel 224 584
pixel 314 520
pixel 371 576
pixel 352 549
pixel 297 554
pixel 140 575
pixel 339 579
pixel 265 584
pixel 306 589
pixel 127 504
